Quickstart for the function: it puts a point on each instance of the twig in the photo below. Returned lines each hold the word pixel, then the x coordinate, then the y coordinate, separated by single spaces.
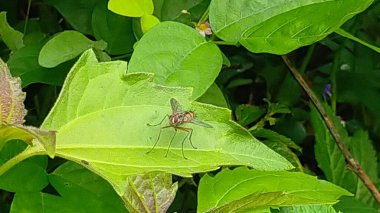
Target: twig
pixel 353 164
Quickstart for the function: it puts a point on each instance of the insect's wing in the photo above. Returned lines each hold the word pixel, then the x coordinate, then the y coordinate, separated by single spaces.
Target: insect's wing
pixel 176 107
pixel 200 123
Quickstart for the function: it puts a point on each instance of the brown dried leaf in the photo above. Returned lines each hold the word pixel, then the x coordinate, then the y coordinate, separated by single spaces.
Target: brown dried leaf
pixel 11 97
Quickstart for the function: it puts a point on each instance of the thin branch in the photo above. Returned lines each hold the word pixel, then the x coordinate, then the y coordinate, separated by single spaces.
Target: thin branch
pixel 353 164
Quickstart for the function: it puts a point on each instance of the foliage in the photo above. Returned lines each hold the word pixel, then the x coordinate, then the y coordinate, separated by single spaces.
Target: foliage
pixel 98 75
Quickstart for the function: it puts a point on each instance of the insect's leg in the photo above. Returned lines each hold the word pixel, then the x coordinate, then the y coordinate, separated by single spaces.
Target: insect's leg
pixel 158 138
pixel 167 151
pixel 183 141
pixel 158 123
pixel 191 134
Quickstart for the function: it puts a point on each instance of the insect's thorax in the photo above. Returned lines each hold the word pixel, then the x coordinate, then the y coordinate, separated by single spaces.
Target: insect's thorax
pixel 179 118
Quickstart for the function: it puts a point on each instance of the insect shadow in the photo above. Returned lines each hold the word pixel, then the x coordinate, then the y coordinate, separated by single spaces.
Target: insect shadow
pixel 176 119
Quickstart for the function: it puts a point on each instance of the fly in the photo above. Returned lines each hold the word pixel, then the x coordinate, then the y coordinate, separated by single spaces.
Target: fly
pixel 176 119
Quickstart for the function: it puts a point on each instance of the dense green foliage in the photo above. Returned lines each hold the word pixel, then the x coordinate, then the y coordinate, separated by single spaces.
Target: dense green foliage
pixel 97 75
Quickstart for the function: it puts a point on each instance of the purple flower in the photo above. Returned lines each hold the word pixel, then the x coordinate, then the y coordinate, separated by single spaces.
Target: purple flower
pixel 327 92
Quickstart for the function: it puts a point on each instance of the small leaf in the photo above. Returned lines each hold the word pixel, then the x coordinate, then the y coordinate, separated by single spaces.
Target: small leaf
pixel 131 8
pixel 213 96
pixel 63 47
pixel 246 114
pixel 280 26
pixel 11 37
pixel 148 22
pixel 187 60
pixel 152 192
pixel 247 190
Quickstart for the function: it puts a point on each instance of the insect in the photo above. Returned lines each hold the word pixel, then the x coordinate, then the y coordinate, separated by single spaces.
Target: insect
pixel 176 119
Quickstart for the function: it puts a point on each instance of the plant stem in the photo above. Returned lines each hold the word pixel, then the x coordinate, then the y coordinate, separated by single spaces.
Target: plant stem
pixel 205 15
pixel 27 153
pixel 353 164
pixel 307 59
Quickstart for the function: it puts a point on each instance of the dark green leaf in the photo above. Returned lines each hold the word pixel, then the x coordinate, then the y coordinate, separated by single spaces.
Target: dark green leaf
pixel 11 37
pixel 114 29
pixel 77 12
pixel 79 191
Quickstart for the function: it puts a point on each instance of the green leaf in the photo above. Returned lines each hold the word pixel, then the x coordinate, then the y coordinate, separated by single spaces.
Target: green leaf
pixel 114 29
pixel 213 96
pixel 29 175
pixel 11 37
pixel 308 208
pixel 247 190
pixel 331 160
pixel 280 26
pixel 281 144
pixel 274 136
pixel 152 192
pixel 79 190
pixel 187 59
pixel 148 22
pixel 132 8
pixel 246 114
pixel 328 155
pixel 24 64
pixel 352 205
pixel 63 47
pixel 77 12
pixel 90 128
pixel 363 150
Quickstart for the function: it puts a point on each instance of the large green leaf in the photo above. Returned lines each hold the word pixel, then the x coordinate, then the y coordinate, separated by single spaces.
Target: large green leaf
pixel 280 26
pixel 78 191
pixel 114 29
pixel 243 190
pixel 11 37
pixel 178 56
pixel 105 125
